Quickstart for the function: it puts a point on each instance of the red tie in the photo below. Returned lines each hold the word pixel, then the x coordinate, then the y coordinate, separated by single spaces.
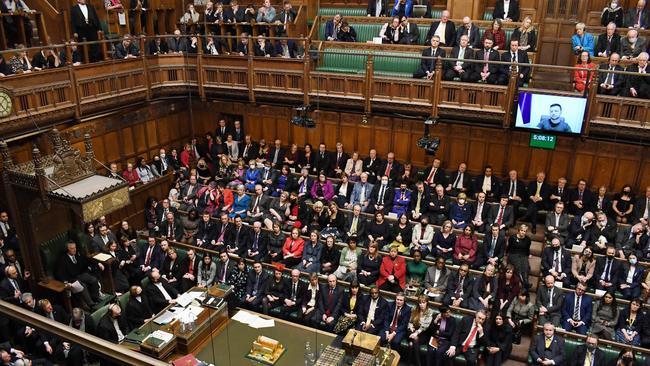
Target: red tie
pixel 500 217
pixel 147 260
pixel 469 340
pixel 388 166
pixel 430 177
pixel 191 271
pixel 393 324
pixel 329 302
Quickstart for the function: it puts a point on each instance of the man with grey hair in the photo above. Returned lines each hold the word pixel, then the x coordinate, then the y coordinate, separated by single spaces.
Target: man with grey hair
pixel 328 309
pixel 548 302
pixel 632 45
pixel 639 82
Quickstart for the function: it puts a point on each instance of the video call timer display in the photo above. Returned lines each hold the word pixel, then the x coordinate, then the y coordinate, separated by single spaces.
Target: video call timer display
pixel 550 113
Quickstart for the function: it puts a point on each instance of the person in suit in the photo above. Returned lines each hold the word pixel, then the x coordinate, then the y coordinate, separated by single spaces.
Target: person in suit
pixel 469 337
pixel 242 48
pixel 494 246
pixel 419 205
pixel 459 182
pixel 577 310
pixel 137 311
pixel 641 210
pixel 607 269
pixel 371 165
pixel 557 222
pixel 547 348
pixel 240 238
pixel 396 322
pixel 328 305
pixel 158 46
pixel 501 214
pixel 560 193
pixel 638 85
pixel 610 83
pixel 207 231
pixel 189 271
pixel 159 293
pixel 76 270
pixel 171 228
pixel 444 29
pixel 486 73
pixel 257 245
pixel 428 65
pixel 589 353
pixel 355 225
pixel 459 287
pixel 381 197
pixel 113 327
pixel 516 57
pixel 390 168
pixel 323 161
pixel 435 280
pixel 101 240
pixel 408 32
pixel 126 48
pixel 332 27
pixel 293 295
pixel 556 262
pixel 256 286
pixel 488 184
pixel 580 230
pixel 442 329
pixel 459 69
pixel 85 25
pixel 471 31
pixel 262 48
pixel 434 175
pixel 630 277
pixel 506 10
pixel 224 267
pixel 372 313
pixel 603 232
pixel 637 17
pixel 609 42
pixel 171 269
pixel 178 43
pixel 581 199
pixel 548 301
pixel 376 8
pixel 361 193
pixel 215 46
pixel 538 193
pixel 516 191
pixel 277 153
pixel 439 205
pixel 11 286
pixel 339 160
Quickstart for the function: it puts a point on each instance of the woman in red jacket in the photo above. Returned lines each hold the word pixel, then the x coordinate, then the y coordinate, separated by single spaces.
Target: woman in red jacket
pixel 131 175
pixel 292 248
pixel 584 73
pixel 392 273
pixel 497 34
pixel 465 248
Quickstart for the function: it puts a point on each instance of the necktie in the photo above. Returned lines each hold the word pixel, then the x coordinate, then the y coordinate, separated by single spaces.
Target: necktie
pixel 608 266
pixel 486 56
pixel 257 201
pixel 550 297
pixel 459 288
pixel 539 187
pixel 362 195
pixel 387 172
pixel 492 247
pixel 461 55
pixel 74 259
pixel 170 231
pixel 257 283
pixel 431 175
pixel 293 291
pixel 580 195
pixel 147 258
pixel 353 228
pixel 610 77
pixel 222 233
pixel 556 262
pixel 547 342
pixel 576 308
pixel 191 269
pixel 222 275
pixel 470 338
pixel 417 203
pixel 381 194
pixel 246 151
pixel 257 236
pixel 511 192
pixel 500 216
pixel 5 229
pixel 403 196
pixel 275 156
pixel 459 180
pixel 588 359
pixel 329 301
pixel 393 323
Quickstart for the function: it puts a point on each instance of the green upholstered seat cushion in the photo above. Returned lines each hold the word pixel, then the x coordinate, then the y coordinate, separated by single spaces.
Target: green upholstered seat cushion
pixel 346 12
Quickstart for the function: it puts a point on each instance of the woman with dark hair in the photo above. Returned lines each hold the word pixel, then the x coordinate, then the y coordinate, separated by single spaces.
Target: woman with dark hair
pixel 322 189
pixel 86 237
pixel 417 329
pixel 237 279
pixel 630 323
pixel 402 234
pixel 343 191
pixel 306 160
pixel 520 314
pixel 292 157
pixel 151 215
pixel 496 34
pixel 583 266
pixel 263 152
pixel 623 205
pixel 585 73
pixel 626 357
pixel 224 169
pixel 174 160
pixel 276 240
pixel 368 265
pixel 466 247
pixel 145 172
pixel 207 272
pixel 334 225
pixel 352 302
pixel 311 254
pixel 190 226
pixel 330 256
pixel 416 269
pixel 119 273
pixel 499 341
pixel 283 182
pixel 379 230
pixel 508 287
pixel 605 317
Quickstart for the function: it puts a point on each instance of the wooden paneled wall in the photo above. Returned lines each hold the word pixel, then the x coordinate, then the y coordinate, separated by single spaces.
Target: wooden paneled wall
pixel 599 162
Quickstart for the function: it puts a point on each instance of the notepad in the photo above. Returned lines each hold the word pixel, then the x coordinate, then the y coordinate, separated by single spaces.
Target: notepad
pixel 102 257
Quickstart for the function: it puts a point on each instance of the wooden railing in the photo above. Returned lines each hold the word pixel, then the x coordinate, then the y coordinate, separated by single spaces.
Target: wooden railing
pixel 74 91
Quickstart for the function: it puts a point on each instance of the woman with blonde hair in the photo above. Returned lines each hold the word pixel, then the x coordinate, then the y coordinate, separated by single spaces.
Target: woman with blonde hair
pixel 526 34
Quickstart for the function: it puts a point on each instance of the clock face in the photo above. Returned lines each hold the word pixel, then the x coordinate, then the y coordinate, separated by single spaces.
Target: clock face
pixel 5 104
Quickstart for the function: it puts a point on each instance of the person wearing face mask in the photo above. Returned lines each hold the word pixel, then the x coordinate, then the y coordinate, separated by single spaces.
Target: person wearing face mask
pixel 381 197
pixel 460 212
pixel 627 358
pixel 630 277
pixel 556 261
pixel 612 13
pixel 583 266
pixel 589 353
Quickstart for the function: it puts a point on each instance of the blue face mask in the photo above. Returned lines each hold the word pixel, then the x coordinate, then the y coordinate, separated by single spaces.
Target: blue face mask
pixel 632 261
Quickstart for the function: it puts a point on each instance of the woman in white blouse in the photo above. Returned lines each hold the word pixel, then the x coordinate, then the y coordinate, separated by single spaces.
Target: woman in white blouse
pixel 422 237
pixel 145 172
pixel 354 167
pixel 421 318
pixel 233 148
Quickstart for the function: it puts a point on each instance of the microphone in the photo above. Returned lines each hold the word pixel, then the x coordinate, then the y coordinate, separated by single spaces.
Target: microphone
pixel 354 335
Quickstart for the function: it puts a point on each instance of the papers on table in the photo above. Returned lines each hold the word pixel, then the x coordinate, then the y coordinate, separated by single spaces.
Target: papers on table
pixel 164 318
pixel 186 298
pixel 253 320
pixel 102 257
pixel 159 338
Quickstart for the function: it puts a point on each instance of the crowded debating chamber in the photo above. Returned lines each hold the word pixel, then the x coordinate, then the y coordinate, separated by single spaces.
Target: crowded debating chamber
pixel 332 182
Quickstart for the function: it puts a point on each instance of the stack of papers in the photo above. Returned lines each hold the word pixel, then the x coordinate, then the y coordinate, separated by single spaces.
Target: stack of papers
pixel 186 298
pixel 165 318
pixel 159 338
pixel 253 320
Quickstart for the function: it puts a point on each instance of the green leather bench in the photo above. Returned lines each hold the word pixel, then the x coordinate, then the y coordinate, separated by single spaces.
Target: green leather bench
pixel 99 313
pixel 487 15
pixel 611 352
pixel 396 64
pixel 436 13
pixel 345 12
pixel 349 61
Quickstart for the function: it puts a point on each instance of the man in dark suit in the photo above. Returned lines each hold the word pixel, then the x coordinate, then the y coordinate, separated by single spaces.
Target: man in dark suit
pixel 576 310
pixel 222 130
pixel 459 181
pixel 258 206
pixel 548 301
pixel 434 175
pixel 538 192
pixel 483 72
pixel 609 42
pixel 256 285
pixel 137 310
pixel 547 348
pixel 151 256
pixel 339 160
pixel 488 184
pixel 637 17
pixel 171 228
pixel 372 313
pixel 76 270
pixel 223 233
pixel 178 43
pixel 12 286
pixel 580 199
pixel 469 337
pixel 240 238
pixel 8 233
pixel 605 228
pixel 323 162
pixel 460 69
pixel 371 165
pixel 249 149
pixel 459 287
pixel 243 49
pixel 329 304
pixel 471 31
pixel 207 231
pixel 101 240
pixel 293 296
pixel 557 222
pixel 381 197
pixel 257 243
pixel 396 322
pixel 390 168
pixel 408 32
pixel 189 271
pixel 276 154
pixel 85 25
pixel 556 262
pixel 442 330
pixel 286 48
pixel 439 206
pixel 517 58
pixel 494 246
pixel 355 225
pixel 224 267
pixel 159 293
pixel 611 83
pixel 171 269
pixel 501 214
pixel 428 65
pixel 506 10
pixel 445 27
pixel 560 193
pixel 638 84
pixel 163 209
pixel 642 208
pixel 589 353
pixel 419 204
pixel 607 269
pixel 109 324
pixel 516 191
pixel 580 230
pixel 629 278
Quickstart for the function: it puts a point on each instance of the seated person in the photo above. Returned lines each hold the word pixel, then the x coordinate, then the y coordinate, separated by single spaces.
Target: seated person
pixel 78 273
pixel 422 237
pixel 286 48
pixel 556 262
pixel 333 27
pixel 459 287
pixel 466 247
pixel 408 32
pixel 215 46
pixel 390 32
pixel 460 69
pixel 638 86
pixel 580 230
pixel 577 310
pixel 486 73
pixel 46 59
pixel 548 301
pixel 396 322
pixel 460 212
pixel 113 327
pixel 126 49
pixel 468 337
pixel 516 57
pixel 609 42
pixel 392 272
pixel 583 266
pixel 401 200
pixel 501 214
pixel 368 266
pixel 428 65
pixel 583 75
pixel 557 222
pixel 293 248
pixel 484 291
pixel 372 313
pixel 137 311
pixel 310 299
pixel 582 41
pixel 630 277
pixel 439 206
pixel 631 321
pixel 632 45
pixel 159 292
pixel 506 10
pixel 488 184
pixel 277 287
pixel 256 286
pixel 311 254
pixel 471 31
pixel 262 48
pixel 547 348
pixel 347 33
pixel 329 304
pixel 293 295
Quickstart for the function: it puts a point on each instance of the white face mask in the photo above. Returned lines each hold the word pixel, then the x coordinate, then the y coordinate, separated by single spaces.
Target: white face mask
pixel 613 5
pixel 252 166
pixel 162 156
pixel 462 202
pixel 384 182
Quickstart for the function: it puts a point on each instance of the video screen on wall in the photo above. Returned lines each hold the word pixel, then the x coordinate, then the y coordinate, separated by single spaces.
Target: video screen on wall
pixel 550 113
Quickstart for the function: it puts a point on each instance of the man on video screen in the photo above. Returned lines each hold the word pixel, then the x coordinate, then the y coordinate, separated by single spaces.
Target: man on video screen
pixel 554 122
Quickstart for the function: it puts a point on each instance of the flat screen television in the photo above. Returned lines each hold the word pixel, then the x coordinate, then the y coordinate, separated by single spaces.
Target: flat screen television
pixel 550 113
